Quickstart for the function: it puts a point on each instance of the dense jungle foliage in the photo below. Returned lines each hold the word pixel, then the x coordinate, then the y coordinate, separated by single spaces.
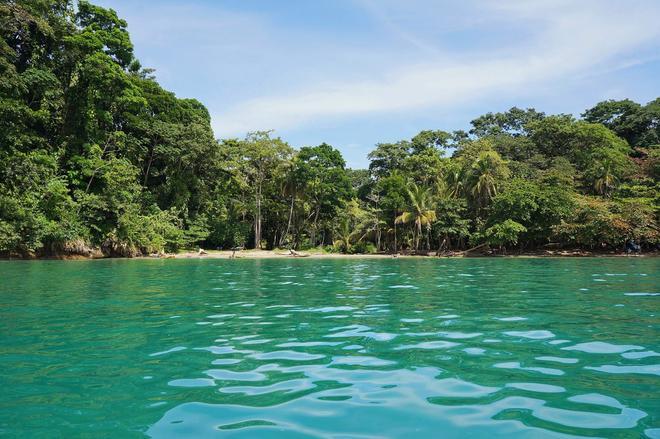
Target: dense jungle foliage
pixel 95 154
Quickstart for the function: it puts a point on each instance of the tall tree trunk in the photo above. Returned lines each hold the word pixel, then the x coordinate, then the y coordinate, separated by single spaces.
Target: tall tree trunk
pixel 257 219
pixel 91 179
pixel 313 237
pixel 442 245
pixel 395 232
pixel 288 224
pixel 151 159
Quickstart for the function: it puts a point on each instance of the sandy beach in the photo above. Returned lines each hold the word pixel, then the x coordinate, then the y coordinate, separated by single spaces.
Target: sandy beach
pixel 315 254
pixel 276 254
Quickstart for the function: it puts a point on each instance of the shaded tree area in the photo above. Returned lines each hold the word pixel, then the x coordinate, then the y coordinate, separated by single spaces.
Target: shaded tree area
pixel 96 156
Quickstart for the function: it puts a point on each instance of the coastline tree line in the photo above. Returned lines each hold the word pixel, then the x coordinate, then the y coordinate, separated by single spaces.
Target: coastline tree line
pixel 94 154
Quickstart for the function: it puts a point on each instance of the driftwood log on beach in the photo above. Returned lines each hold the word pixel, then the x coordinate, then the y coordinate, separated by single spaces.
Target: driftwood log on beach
pixel 479 249
pixel 295 254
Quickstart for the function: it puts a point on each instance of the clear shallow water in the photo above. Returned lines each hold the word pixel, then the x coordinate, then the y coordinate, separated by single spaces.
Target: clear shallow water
pixel 330 348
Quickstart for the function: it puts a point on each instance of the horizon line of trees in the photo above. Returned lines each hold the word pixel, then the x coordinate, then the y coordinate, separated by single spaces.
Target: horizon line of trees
pixel 95 154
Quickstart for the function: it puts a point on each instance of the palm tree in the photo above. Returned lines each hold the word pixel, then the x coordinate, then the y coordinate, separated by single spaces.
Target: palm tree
pixel 484 175
pixel 454 182
pixel 443 190
pixel 606 182
pixel 346 236
pixel 370 224
pixel 421 212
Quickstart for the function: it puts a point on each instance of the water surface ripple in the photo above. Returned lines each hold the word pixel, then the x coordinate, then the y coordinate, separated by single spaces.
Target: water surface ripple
pixel 528 348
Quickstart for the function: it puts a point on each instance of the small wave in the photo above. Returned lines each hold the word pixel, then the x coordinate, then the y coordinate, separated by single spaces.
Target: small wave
pixel 599 347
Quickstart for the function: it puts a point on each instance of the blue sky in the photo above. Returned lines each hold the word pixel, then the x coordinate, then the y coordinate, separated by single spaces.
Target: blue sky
pixel 354 73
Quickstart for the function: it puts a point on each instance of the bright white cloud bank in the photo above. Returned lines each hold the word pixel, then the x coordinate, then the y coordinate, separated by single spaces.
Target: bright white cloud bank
pixel 562 40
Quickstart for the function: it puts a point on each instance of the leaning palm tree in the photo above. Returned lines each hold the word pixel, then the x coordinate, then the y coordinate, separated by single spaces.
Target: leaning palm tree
pixel 421 211
pixel 606 182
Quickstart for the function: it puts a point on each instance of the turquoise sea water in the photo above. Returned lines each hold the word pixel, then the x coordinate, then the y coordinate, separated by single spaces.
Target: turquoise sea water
pixel 462 348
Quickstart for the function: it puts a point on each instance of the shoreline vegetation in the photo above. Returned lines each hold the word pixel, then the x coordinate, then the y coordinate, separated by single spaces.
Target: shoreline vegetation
pixel 98 160
pixel 320 254
pixel 278 254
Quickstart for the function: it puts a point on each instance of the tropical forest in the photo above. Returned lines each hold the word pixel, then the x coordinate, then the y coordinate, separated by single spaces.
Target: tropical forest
pixel 96 158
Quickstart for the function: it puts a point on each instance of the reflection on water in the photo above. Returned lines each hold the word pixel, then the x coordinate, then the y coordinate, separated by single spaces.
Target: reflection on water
pixel 331 348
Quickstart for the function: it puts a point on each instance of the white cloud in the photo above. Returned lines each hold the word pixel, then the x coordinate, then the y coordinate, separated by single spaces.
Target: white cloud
pixel 568 39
